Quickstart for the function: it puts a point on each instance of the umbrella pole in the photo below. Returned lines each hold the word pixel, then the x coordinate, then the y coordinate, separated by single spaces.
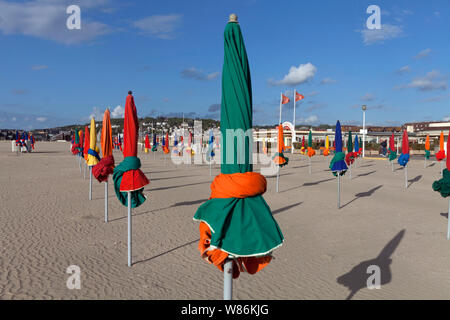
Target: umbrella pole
pixel 406 177
pixel 425 164
pixel 106 200
pixel 309 165
pixel 129 228
pixel 228 279
pixel 210 167
pixel 90 183
pixel 339 190
pixel 278 177
pixel 441 167
pixel 350 171
pixel 79 162
pixel 392 165
pixel 84 173
pixel 448 223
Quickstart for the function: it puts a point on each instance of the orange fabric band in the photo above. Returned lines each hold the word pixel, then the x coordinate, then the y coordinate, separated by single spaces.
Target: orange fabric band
pixel 238 185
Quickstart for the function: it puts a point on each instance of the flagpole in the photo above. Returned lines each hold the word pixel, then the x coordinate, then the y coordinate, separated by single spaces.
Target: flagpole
pixel 293 122
pixel 228 279
pixel 129 228
pixel 278 171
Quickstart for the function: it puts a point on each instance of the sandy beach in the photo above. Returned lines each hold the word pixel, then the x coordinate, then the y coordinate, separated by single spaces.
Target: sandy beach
pixel 47 223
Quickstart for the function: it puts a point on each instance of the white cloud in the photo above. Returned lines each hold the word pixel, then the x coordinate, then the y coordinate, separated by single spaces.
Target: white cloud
pixel 193 73
pixel 118 112
pixel 41 119
pixel 433 80
pixel 96 114
pixel 387 32
pixel 423 54
pixel 328 81
pixel 297 75
pixel 39 67
pixel 46 19
pixel 368 97
pixel 403 70
pixel 309 120
pixel 14 119
pixel 160 26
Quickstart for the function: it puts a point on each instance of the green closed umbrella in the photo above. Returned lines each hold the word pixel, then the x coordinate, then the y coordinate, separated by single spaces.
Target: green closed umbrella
pixel 349 151
pixel 237 219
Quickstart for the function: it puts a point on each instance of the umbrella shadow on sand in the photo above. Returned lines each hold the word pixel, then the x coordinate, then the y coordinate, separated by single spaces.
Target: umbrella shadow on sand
pixel 308 184
pixel 416 179
pixel 444 214
pixel 356 279
pixel 274 212
pixel 362 195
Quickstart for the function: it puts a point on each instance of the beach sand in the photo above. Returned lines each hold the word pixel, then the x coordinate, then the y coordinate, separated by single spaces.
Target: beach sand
pixel 47 223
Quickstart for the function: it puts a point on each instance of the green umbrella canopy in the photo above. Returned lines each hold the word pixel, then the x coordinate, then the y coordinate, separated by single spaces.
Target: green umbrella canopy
pixel 231 220
pixel 236 107
pixel 349 142
pixel 310 139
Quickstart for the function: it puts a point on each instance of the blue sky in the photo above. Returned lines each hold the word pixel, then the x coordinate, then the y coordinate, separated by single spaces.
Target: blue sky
pixel 170 54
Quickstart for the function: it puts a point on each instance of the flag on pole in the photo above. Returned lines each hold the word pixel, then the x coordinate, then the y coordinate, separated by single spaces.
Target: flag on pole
pixel 298 96
pixel 284 99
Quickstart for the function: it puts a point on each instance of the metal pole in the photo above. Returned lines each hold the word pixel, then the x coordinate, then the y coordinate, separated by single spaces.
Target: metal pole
pixel 129 228
pixel 293 122
pixel 350 171
pixel 339 190
pixel 90 183
pixel 79 162
pixel 106 201
pixel 278 176
pixel 364 134
pixel 281 99
pixel 442 169
pixel 84 173
pixel 448 219
pixel 392 163
pixel 425 165
pixel 309 165
pixel 406 177
pixel 228 280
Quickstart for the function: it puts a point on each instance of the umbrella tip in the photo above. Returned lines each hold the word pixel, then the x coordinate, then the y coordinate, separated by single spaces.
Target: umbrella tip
pixel 233 18
pixel 130 92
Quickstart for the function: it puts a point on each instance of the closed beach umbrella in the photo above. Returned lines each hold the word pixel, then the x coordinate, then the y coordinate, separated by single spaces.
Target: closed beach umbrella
pixel 106 165
pixel 441 154
pixel 326 152
pixel 127 175
pixel 93 157
pixel 404 157
pixel 356 146
pixel 350 157
pixel 279 158
pixel 427 147
pixel 86 142
pixel 337 165
pixel 129 180
pixel 154 147
pixel 392 149
pixel 166 144
pixel 147 143
pixel 236 208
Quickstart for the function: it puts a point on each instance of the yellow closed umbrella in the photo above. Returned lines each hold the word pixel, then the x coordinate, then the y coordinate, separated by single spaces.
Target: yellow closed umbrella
pixel 93 157
pixel 326 152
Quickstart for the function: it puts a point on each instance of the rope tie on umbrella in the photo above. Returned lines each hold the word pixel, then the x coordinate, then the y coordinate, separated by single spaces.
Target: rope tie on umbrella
pixel 137 197
pixel 350 158
pixel 94 153
pixel 280 159
pixel 392 154
pixel 403 159
pixel 236 185
pixel 103 169
pixel 337 164
pixel 443 185
pixel 440 155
